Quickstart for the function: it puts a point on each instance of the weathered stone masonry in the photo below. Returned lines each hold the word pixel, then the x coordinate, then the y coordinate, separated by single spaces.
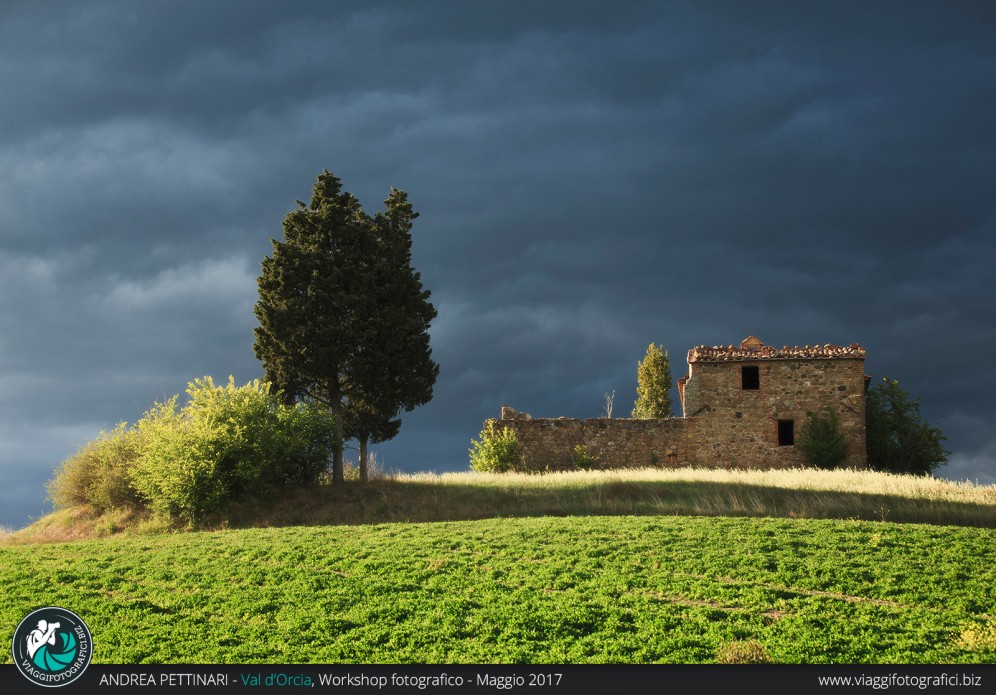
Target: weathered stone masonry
pixel 742 408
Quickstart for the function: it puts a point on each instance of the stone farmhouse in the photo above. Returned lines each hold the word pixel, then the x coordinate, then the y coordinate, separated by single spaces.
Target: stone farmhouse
pixel 742 408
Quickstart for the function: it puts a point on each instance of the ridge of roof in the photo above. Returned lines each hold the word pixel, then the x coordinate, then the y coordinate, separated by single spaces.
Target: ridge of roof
pixel 753 349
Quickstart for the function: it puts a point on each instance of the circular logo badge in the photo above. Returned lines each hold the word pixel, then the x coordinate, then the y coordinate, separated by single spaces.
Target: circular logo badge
pixel 52 647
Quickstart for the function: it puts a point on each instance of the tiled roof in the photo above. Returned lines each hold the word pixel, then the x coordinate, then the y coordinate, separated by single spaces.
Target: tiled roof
pixel 753 349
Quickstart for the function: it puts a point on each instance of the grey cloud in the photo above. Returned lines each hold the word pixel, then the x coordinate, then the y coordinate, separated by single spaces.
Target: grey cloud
pixel 588 180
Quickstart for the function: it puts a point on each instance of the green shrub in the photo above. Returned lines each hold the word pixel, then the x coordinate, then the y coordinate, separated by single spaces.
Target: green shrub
pixel 179 472
pixel 304 443
pixel 228 442
pixel 898 439
pixel 584 460
pixel 821 441
pixel 98 475
pixel 497 451
pixel 258 442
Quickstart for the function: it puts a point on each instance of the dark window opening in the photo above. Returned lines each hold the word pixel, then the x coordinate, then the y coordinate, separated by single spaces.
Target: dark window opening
pixel 750 379
pixel 786 432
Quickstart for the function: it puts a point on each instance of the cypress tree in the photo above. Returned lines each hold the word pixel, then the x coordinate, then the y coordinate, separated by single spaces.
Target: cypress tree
pixel 343 318
pixel 653 387
pixel 395 370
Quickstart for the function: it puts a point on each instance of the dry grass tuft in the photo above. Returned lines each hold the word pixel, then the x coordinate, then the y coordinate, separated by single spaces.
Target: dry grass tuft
pixel 80 523
pixel 978 638
pixel 743 652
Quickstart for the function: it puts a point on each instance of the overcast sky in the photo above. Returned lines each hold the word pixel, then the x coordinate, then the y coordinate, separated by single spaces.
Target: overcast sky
pixel 591 177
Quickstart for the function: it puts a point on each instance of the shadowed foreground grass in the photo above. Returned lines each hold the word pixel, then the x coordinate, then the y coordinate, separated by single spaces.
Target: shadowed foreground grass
pixel 792 493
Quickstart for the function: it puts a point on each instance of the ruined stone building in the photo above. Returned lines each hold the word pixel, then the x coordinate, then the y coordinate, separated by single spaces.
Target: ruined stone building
pixel 742 408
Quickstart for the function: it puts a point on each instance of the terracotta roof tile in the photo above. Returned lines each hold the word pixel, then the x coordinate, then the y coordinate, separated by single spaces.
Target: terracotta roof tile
pixel 753 349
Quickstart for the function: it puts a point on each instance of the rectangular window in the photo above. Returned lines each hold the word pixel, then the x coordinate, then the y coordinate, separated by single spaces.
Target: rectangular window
pixel 750 379
pixel 786 432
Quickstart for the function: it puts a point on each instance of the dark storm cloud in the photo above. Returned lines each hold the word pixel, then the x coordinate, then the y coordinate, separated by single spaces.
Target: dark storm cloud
pixel 588 180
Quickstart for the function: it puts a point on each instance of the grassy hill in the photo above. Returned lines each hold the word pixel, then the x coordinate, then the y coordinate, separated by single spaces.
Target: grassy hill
pixel 793 493
pixel 571 589
pixel 630 566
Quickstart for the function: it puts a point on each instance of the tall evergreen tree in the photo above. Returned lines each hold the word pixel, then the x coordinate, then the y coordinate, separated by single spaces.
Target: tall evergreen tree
pixel 653 387
pixel 394 371
pixel 310 299
pixel 343 316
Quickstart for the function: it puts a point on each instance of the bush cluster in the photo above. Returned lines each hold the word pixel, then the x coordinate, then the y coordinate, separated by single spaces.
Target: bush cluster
pixel 821 441
pixel 497 451
pixel 98 475
pixel 583 459
pixel 226 443
pixel 899 440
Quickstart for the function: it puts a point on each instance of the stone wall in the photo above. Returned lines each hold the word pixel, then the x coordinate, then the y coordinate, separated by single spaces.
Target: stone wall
pixel 724 424
pixel 739 428
pixel 548 443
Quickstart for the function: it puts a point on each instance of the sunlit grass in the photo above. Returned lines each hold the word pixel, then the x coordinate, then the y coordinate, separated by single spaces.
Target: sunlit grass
pixel 421 497
pixel 79 523
pixel 591 589
pixel 839 480
pixel 794 493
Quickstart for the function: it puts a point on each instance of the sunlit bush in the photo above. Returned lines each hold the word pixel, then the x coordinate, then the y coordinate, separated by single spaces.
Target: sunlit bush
pixel 98 475
pixel 227 442
pixel 497 451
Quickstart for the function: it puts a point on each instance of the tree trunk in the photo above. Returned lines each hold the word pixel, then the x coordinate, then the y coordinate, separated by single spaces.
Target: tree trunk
pixel 363 458
pixel 337 446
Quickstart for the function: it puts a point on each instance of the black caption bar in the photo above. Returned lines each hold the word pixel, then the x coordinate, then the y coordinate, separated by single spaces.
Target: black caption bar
pixel 520 679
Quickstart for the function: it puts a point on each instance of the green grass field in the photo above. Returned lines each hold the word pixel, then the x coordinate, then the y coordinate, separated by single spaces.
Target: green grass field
pixel 564 590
